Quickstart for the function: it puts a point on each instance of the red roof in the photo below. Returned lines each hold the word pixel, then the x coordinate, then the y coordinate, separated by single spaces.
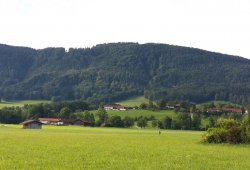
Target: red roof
pixel 235 110
pixel 50 119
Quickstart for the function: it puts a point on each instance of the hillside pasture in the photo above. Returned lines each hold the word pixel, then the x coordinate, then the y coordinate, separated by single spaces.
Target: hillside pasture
pixel 21 103
pixel 70 147
pixel 135 101
pixel 145 113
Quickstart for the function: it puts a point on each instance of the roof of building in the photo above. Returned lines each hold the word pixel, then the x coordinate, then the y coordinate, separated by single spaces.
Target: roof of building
pixel 214 110
pixel 50 119
pixel 30 121
pixel 70 121
pixel 236 110
pixel 115 106
pixel 112 105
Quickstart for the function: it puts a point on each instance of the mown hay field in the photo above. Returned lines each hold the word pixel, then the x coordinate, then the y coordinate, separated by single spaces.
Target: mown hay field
pixel 55 147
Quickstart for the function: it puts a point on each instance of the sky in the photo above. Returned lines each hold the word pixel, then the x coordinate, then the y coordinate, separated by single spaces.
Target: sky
pixel 215 25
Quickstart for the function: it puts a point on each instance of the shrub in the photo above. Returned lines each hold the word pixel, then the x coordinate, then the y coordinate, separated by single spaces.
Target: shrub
pixel 142 122
pixel 216 135
pixel 227 131
pixel 166 122
pixel 245 131
pixel 128 121
pixel 115 121
pixel 234 135
pixel 157 124
pixel 154 123
pixel 226 123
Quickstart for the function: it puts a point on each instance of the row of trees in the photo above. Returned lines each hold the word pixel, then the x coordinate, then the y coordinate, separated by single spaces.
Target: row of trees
pixel 113 121
pixel 187 117
pixel 101 118
pixel 184 121
pixel 65 110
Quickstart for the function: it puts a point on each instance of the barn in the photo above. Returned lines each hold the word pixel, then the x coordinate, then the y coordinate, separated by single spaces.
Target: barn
pixel 31 124
pixel 76 122
pixel 81 122
pixel 50 121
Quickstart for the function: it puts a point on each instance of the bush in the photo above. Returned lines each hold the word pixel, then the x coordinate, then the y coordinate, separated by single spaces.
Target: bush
pixel 142 122
pixel 115 121
pixel 228 131
pixel 128 121
pixel 226 123
pixel 216 135
pixel 166 122
pixel 245 131
pixel 154 123
pixel 234 135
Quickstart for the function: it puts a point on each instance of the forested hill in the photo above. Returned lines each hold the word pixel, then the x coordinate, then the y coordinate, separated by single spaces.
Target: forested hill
pixel 110 72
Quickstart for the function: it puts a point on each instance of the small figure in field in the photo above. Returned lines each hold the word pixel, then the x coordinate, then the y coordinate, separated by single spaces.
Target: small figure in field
pixel 159 132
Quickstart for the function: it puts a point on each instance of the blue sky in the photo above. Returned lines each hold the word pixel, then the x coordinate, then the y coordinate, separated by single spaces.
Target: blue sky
pixel 214 25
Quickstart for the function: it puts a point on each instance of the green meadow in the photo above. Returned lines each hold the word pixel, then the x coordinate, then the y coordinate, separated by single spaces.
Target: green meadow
pixel 145 113
pixel 70 147
pixel 135 101
pixel 20 103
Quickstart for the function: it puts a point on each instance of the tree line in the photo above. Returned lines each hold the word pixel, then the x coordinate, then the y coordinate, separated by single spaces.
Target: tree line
pixel 187 116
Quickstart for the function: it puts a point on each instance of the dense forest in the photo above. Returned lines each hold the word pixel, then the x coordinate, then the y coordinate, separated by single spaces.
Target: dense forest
pixel 115 71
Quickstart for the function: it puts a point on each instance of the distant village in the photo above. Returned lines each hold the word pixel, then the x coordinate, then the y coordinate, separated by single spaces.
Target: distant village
pixel 37 124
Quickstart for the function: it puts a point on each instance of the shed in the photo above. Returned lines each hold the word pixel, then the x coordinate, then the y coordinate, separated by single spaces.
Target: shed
pixel 81 122
pixel 31 124
pixel 76 122
pixel 115 107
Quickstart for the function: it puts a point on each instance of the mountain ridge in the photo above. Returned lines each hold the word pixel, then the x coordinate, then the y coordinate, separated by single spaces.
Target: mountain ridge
pixel 114 71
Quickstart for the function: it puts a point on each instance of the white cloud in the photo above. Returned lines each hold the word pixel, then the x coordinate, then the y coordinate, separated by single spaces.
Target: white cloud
pixel 214 25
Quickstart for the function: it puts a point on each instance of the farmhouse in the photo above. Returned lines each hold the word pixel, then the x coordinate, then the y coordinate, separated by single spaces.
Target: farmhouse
pixel 227 110
pixel 178 105
pixel 51 121
pixel 232 110
pixel 170 107
pixel 214 110
pixel 31 124
pixel 114 107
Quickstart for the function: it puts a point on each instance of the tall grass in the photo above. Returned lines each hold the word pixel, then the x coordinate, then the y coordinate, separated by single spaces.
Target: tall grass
pixel 107 148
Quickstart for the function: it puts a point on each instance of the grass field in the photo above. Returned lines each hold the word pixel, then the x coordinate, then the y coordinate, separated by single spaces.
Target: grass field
pixel 146 113
pixel 20 103
pixel 136 101
pixel 108 148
